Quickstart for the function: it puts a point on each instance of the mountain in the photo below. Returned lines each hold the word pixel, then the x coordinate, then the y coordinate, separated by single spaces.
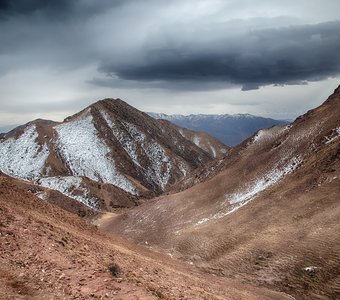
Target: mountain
pixel 4 129
pixel 108 155
pixel 201 139
pixel 229 129
pixel 49 253
pixel 268 216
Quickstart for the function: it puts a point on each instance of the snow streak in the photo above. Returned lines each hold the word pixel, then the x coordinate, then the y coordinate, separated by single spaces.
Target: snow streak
pixel 86 155
pixel 335 134
pixel 158 169
pixel 237 200
pixel 72 187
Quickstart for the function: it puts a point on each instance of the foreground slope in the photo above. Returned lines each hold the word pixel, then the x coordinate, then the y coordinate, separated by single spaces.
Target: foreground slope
pixel 269 217
pixel 107 155
pixel 48 253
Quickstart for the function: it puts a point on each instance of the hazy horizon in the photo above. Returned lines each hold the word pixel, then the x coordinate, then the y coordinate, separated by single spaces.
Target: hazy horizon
pixel 269 59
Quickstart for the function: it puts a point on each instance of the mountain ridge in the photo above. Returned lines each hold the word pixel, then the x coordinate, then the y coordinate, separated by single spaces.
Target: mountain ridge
pixel 107 146
pixel 264 213
pixel 230 129
pixel 268 215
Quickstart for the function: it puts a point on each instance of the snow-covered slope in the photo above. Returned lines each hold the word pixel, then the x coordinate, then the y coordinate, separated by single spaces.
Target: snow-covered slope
pixel 67 185
pixel 110 143
pixel 86 155
pixel 23 157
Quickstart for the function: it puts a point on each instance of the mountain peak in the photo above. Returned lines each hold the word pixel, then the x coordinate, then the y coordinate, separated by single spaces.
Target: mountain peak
pixel 109 143
pixel 112 102
pixel 115 101
pixel 119 108
pixel 112 105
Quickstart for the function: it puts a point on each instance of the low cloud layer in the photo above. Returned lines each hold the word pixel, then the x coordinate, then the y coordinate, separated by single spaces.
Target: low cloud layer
pixel 53 51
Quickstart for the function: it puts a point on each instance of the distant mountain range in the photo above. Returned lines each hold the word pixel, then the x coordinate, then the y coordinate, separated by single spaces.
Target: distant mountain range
pixel 7 128
pixel 229 129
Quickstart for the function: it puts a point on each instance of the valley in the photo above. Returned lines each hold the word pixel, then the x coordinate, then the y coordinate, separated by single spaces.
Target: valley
pixel 112 203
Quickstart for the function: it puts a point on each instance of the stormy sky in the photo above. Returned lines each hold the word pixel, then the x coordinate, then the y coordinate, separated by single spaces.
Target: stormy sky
pixel 269 58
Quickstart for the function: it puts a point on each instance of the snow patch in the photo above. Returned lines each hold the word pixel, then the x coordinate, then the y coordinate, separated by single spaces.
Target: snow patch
pixel 263 183
pixel 335 134
pixel 182 133
pixel 42 195
pixel 86 155
pixel 269 133
pixel 127 142
pixel 70 186
pixel 213 150
pixel 310 268
pixel 196 140
pixel 260 135
pixel 204 220
pixel 237 200
pixel 183 168
pixel 23 157
pixel 160 166
pixel 136 134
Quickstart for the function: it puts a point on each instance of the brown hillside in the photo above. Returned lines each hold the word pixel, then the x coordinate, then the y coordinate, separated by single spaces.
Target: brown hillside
pixel 48 253
pixel 269 217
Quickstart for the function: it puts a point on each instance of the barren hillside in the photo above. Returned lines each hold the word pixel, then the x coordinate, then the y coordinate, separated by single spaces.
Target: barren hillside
pixel 270 217
pixel 48 253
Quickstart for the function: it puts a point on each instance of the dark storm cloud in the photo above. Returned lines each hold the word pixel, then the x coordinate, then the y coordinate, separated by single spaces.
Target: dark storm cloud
pixel 60 55
pixel 289 55
pixel 57 9
pixel 46 33
pixel 60 35
pixel 9 8
pixel 166 44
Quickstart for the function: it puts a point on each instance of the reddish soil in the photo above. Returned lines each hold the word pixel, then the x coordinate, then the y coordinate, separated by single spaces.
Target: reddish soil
pixel 282 244
pixel 287 238
pixel 48 253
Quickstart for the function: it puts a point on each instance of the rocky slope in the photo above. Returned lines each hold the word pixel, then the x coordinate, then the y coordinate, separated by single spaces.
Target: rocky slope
pixel 48 253
pixel 107 155
pixel 201 139
pixel 230 129
pixel 268 216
